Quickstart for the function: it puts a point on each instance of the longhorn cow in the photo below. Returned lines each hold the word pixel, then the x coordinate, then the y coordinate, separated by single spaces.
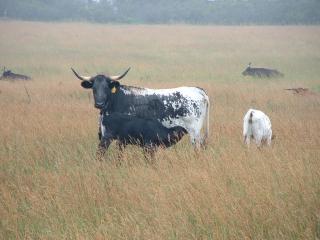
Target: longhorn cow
pixel 186 107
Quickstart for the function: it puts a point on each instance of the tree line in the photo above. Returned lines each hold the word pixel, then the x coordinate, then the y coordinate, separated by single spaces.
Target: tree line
pixel 166 11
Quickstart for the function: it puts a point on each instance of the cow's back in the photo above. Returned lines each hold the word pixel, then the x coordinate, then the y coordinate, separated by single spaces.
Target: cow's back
pixel 163 105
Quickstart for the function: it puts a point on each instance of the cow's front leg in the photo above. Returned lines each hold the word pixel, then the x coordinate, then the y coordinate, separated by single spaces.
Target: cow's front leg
pixel 103 147
pixel 149 153
pixel 121 147
pixel 99 126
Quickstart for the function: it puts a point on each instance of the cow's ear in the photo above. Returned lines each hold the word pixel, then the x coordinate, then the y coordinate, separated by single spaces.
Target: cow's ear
pixel 86 84
pixel 114 86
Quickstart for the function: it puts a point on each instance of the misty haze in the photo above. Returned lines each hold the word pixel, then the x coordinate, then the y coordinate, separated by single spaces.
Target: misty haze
pixel 150 119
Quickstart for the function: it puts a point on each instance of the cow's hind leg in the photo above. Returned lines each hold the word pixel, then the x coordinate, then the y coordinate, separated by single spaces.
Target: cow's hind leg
pixel 246 139
pixel 270 137
pixel 259 141
pixel 195 138
pixel 269 141
pixel 194 129
pixel 102 148
pixel 149 154
pixel 121 149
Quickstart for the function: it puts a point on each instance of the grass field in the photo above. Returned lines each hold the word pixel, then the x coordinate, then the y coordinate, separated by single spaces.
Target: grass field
pixel 52 187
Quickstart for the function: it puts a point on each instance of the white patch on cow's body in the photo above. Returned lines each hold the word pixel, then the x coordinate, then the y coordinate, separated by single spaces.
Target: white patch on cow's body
pixel 258 127
pixel 126 91
pixel 189 92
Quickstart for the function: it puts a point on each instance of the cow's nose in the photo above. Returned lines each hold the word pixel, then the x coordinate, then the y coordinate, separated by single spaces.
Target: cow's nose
pixel 99 105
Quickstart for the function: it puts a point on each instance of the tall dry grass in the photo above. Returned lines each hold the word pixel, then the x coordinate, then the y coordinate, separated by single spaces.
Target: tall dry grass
pixel 52 187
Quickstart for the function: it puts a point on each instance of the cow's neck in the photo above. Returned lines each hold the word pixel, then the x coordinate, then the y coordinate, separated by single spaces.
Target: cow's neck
pixel 117 102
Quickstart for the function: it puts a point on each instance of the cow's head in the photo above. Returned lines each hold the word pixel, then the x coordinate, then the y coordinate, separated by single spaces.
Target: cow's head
pixel 102 86
pixel 6 73
pixel 247 70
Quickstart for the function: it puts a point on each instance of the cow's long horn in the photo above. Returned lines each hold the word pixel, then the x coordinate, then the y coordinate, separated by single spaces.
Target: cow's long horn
pixel 83 78
pixel 116 78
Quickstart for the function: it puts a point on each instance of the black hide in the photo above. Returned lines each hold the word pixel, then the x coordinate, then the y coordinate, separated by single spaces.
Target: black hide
pixel 139 131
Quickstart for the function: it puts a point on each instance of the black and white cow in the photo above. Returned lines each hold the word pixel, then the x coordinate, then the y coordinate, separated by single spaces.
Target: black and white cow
pixel 187 107
pixel 261 72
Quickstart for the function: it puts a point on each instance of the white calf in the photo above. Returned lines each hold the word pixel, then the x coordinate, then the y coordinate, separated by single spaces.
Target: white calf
pixel 257 125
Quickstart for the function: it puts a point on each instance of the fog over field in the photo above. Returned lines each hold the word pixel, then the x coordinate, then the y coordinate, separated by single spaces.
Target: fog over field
pixel 53 187
pixel 234 12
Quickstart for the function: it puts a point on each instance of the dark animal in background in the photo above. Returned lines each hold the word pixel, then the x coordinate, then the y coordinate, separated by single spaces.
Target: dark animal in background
pixel 9 75
pixel 146 133
pixel 298 90
pixel 261 72
pixel 186 107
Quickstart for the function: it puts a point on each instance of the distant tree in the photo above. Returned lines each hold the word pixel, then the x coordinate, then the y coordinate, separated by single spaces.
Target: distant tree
pixel 164 11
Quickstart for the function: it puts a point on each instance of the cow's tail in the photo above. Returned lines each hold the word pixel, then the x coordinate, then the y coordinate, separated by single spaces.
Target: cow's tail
pixel 250 117
pixel 206 133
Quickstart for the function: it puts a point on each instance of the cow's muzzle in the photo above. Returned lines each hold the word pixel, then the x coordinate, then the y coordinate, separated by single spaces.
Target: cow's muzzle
pixel 99 105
